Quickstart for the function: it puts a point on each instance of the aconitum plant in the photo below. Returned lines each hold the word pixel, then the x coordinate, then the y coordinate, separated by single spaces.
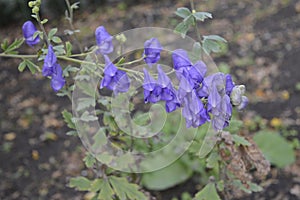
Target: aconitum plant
pixel 206 101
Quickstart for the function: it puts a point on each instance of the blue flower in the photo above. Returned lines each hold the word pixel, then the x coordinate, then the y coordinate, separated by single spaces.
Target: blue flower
pixel 180 59
pixel 152 49
pixel 160 90
pixel 185 69
pixel 53 69
pixel 49 62
pixel 194 111
pixel 104 41
pixel 57 81
pixel 168 93
pixel 218 102
pixel 114 79
pixel 28 31
pixel 152 91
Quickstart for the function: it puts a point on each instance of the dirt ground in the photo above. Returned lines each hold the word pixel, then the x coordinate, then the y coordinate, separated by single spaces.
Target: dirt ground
pixel 36 156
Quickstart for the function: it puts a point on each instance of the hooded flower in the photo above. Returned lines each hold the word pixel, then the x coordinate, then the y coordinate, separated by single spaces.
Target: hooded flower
pixel 28 31
pixel 193 111
pixel 181 59
pixel 161 89
pixel 104 41
pixel 53 69
pixel 57 81
pixel 49 62
pixel 185 69
pixel 114 79
pixel 152 51
pixel 215 88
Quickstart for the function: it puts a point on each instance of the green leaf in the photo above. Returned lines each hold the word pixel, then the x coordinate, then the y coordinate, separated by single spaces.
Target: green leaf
pixel 239 140
pixel 59 49
pixel 44 21
pixel 15 45
pixel 80 183
pixel 31 66
pixel 214 37
pixel 69 48
pixel 209 192
pixel 275 148
pixel 234 126
pixel 68 119
pixel 106 192
pixel 85 103
pixel 86 117
pixel 183 12
pixel 125 190
pixel 56 39
pixel 182 28
pixel 201 16
pixel 212 160
pixel 22 66
pixel 4 45
pixel 167 177
pixel 254 187
pixel 89 160
pixel 212 43
pixel 52 32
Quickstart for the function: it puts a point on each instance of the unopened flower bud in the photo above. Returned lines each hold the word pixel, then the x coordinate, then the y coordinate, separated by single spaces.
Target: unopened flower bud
pixel 31 4
pixel 35 9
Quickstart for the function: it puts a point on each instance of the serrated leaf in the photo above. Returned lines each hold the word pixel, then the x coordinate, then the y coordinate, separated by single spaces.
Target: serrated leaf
pixel 59 49
pixel 201 16
pixel 183 12
pixel 86 117
pixel 106 192
pixel 209 192
pixel 210 46
pixel 89 160
pixel 68 119
pixel 80 183
pixel 125 190
pixel 56 39
pixel 96 185
pixel 239 140
pixel 212 160
pixel 22 66
pixel 275 148
pixel 234 126
pixel 85 103
pixel 181 28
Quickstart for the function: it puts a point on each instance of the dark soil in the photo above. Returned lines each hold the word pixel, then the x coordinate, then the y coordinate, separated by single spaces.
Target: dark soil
pixel 264 54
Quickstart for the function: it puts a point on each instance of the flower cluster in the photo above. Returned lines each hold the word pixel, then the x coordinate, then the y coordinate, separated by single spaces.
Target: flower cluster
pixel 51 67
pixel 203 98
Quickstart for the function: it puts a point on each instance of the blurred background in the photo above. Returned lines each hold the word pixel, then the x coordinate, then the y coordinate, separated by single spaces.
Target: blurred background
pixel 36 156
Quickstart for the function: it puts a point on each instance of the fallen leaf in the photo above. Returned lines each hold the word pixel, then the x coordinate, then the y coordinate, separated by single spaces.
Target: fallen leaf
pixel 10 136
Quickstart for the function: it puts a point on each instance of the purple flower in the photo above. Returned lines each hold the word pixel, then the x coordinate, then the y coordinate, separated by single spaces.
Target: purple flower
pixel 28 31
pixel 229 84
pixel 194 74
pixel 152 51
pixel 181 59
pixel 160 90
pixel 168 93
pixel 152 91
pixel 57 81
pixel 53 69
pixel 104 41
pixel 218 102
pixel 49 62
pixel 193 111
pixel 114 79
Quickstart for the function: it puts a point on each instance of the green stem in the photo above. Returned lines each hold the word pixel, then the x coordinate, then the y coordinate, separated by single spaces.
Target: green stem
pixel 132 62
pixel 17 56
pixel 196 27
pixel 38 19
